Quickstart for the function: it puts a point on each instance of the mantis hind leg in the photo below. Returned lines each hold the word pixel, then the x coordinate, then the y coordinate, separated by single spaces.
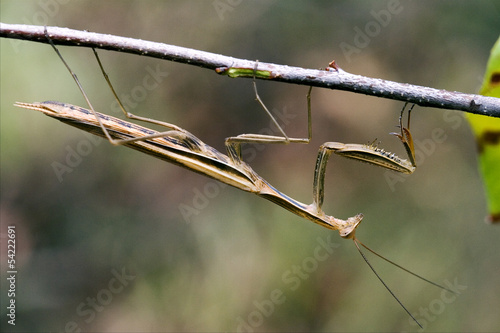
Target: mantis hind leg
pixel 172 128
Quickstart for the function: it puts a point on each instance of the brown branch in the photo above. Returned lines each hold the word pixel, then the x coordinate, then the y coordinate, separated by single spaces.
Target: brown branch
pixel 332 79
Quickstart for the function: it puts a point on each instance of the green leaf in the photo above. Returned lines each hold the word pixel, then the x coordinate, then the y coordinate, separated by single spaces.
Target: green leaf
pixel 487 133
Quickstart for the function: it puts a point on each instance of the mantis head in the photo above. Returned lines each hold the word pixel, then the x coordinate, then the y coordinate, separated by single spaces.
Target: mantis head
pixel 348 229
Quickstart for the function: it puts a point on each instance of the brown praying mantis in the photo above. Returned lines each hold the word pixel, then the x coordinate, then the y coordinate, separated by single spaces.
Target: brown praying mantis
pixel 178 146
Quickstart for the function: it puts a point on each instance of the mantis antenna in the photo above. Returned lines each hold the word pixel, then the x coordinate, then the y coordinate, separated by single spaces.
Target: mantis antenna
pixel 180 147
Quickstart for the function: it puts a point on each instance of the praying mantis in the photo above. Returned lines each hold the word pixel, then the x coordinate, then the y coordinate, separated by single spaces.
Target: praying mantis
pixel 178 146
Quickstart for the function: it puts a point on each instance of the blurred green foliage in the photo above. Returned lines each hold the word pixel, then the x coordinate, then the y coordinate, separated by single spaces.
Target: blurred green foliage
pixel 118 211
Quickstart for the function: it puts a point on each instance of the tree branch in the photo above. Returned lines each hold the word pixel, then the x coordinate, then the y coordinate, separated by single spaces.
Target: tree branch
pixel 332 78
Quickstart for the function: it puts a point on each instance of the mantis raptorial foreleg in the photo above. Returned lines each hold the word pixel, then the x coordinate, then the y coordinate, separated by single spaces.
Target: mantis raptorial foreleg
pixel 367 153
pixel 405 135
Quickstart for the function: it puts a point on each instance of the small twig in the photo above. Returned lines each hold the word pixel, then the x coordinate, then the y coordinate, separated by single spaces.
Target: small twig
pixel 332 79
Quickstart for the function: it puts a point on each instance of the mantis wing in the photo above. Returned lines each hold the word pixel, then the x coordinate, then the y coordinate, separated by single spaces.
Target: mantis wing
pixel 487 133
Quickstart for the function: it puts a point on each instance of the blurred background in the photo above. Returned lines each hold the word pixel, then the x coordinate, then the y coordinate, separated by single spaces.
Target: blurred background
pixel 109 239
